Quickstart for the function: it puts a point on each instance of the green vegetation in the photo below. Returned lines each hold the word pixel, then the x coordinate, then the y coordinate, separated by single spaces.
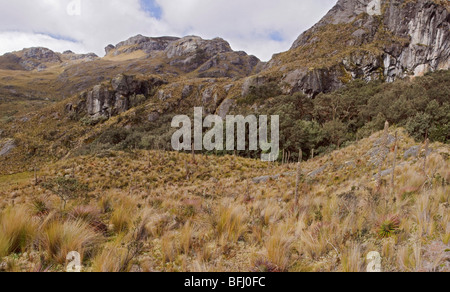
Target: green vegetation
pixel 260 92
pixel 66 188
pixel 330 121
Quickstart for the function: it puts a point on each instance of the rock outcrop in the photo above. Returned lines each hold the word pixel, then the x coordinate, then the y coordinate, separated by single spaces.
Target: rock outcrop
pixel 117 96
pixel 71 56
pixel 7 147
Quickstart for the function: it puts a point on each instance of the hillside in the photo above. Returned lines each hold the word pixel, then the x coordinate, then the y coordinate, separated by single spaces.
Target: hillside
pixel 168 212
pixel 394 39
pixel 140 120
pixel 86 161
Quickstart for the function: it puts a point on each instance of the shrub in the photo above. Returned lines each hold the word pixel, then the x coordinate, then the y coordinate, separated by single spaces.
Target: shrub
pixel 66 188
pixel 113 136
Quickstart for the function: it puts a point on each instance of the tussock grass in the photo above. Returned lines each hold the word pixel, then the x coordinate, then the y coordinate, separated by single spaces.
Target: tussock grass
pixel 169 248
pixel 121 219
pixel 60 238
pixel 231 223
pixel 155 219
pixel 113 258
pixel 351 259
pixel 17 230
pixel 279 246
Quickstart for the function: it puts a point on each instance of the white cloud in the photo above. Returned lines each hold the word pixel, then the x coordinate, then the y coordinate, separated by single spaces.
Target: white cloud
pixel 13 41
pixel 247 24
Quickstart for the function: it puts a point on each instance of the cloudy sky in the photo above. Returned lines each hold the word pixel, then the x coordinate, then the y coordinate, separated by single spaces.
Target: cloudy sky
pixel 259 27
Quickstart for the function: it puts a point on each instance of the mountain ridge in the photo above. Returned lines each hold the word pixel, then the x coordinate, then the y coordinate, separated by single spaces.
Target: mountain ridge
pixel 401 39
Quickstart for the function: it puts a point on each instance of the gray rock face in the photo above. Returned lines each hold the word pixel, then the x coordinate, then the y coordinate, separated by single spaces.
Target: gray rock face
pixel 195 45
pixel 318 171
pixel 225 108
pixel 412 152
pixel 153 117
pixel 417 41
pixel 7 147
pixel 264 179
pixel 109 48
pixel 84 57
pixel 312 82
pixel 212 58
pixel 109 99
pixel 40 59
pixel 187 91
pixel 222 65
pixel 208 95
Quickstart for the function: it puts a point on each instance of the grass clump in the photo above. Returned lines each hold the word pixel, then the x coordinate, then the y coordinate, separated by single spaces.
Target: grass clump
pixel 231 223
pixel 112 259
pixel 121 219
pixel 60 238
pixel 18 230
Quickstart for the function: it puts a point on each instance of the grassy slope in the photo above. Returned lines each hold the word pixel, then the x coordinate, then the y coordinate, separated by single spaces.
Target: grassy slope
pixel 208 215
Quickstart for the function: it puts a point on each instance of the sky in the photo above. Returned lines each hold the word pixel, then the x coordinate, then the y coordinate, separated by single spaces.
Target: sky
pixel 259 27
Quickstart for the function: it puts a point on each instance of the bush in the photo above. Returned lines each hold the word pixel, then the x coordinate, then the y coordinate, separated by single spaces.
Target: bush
pixel 113 136
pixel 66 188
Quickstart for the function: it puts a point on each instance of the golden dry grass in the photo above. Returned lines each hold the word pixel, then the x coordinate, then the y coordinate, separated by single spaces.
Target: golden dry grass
pixel 157 219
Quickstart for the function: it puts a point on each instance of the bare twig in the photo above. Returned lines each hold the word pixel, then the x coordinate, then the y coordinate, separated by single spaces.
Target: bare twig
pixel 427 148
pixel 395 162
pixel 299 174
pixel 383 154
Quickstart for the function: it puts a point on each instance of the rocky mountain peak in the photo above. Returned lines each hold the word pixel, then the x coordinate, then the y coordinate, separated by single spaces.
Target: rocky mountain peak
pixel 41 54
pixel 140 42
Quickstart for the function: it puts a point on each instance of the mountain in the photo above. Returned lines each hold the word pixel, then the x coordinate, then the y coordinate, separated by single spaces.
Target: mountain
pixel 358 40
pixel 40 59
pixel 68 73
